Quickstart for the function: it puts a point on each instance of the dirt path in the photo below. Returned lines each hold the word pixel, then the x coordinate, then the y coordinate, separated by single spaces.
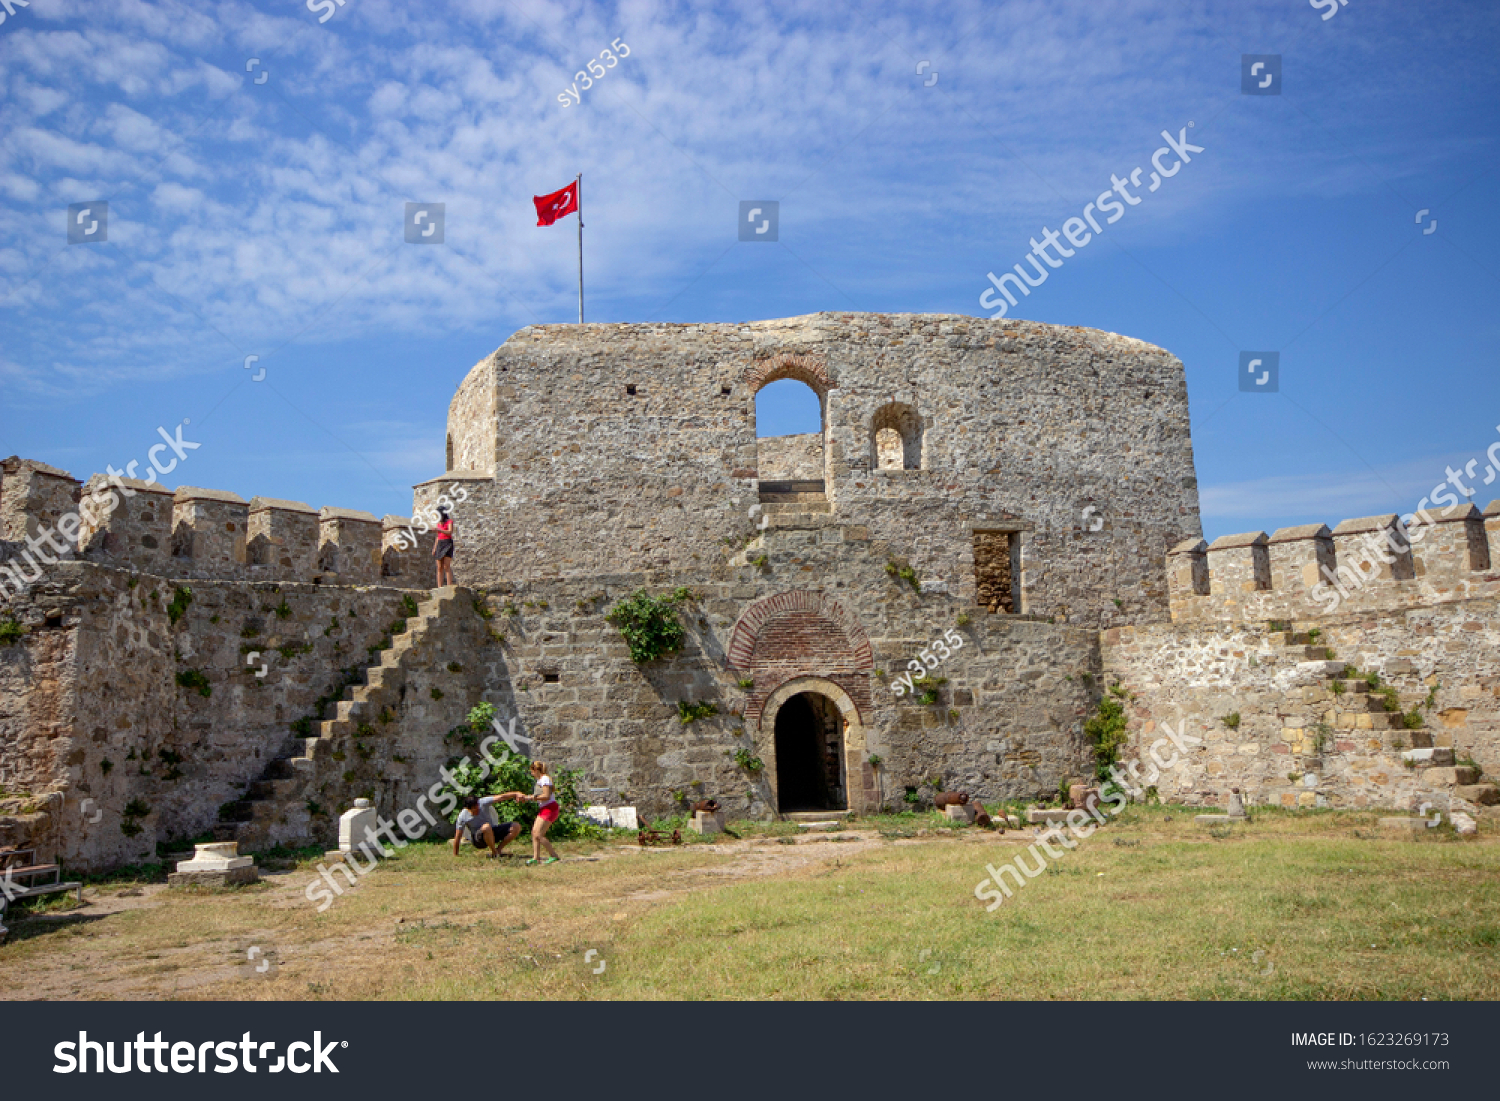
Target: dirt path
pixel 172 950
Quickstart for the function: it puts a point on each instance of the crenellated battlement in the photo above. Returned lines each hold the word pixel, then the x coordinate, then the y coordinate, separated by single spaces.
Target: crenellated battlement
pixel 1369 564
pixel 47 515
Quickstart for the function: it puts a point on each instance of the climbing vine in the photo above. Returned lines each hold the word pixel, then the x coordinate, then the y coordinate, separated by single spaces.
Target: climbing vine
pixel 648 624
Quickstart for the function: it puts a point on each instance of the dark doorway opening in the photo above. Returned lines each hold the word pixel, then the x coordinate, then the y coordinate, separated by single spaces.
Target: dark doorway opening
pixel 809 754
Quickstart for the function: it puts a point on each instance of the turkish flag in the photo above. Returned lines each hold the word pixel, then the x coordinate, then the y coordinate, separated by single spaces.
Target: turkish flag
pixel 549 208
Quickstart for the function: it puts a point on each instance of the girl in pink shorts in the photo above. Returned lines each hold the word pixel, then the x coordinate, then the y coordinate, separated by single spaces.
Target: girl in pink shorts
pixel 547 811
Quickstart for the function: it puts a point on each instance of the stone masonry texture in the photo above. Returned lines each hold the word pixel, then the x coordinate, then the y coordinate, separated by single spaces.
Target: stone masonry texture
pixel 201 662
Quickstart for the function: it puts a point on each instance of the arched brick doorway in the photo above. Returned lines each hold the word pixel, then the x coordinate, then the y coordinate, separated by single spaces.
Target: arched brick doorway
pixel 809 734
pixel 812 739
pixel 800 641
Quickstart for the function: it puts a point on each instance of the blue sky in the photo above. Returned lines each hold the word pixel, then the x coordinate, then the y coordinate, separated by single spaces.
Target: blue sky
pixel 266 218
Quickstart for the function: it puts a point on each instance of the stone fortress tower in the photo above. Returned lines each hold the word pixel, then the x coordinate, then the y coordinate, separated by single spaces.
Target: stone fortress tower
pixel 1012 503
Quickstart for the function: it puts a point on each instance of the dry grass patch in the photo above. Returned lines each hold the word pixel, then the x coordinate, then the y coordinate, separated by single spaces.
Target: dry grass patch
pixel 1295 905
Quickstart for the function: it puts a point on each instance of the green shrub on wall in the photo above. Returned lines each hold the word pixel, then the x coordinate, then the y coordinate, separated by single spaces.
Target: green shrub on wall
pixel 1107 730
pixel 649 625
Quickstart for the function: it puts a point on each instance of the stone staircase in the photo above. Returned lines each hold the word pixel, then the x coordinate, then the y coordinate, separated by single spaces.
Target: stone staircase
pixel 1359 710
pixel 817 819
pixel 795 504
pixel 281 794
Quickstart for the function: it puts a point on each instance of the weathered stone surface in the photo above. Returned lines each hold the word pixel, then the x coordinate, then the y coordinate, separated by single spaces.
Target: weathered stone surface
pixel 1027 480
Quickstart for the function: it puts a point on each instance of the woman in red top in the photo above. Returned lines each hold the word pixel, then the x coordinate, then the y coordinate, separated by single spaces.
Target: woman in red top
pixel 442 549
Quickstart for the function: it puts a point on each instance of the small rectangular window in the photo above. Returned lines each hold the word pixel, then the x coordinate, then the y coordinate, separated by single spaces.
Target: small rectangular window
pixel 551 678
pixel 630 389
pixel 994 570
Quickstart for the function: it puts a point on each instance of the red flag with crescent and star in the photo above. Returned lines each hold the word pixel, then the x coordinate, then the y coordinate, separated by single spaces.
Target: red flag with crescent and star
pixel 549 208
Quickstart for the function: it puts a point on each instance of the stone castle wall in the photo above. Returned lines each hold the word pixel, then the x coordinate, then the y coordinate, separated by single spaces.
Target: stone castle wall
pixel 633 447
pixel 1044 474
pixel 1298 743
pixel 91 705
pixel 1371 564
pixel 790 458
pixel 47 515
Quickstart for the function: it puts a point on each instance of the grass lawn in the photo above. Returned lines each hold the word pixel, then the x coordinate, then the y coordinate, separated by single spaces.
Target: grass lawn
pixel 1296 905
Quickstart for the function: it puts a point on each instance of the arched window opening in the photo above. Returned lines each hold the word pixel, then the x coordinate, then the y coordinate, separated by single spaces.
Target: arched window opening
pixel 896 437
pixel 789 432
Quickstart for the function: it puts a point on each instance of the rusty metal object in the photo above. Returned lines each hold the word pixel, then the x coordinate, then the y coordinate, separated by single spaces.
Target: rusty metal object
pixel 981 816
pixel 951 799
pixel 707 806
pixel 654 837
pixel 1083 797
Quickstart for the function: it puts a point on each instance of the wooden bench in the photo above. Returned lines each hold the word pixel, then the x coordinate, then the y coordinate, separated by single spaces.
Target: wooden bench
pixel 17 865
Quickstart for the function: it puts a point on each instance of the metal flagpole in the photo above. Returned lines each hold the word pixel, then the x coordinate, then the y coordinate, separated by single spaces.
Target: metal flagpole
pixel 580 248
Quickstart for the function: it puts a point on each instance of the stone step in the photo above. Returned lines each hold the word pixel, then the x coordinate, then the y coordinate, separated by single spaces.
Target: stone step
pixel 787 508
pixel 1451 776
pixel 800 521
pixel 784 498
pixel 791 485
pixel 1486 795
pixel 281 768
pixel 1439 757
pixel 817 819
pixel 1377 720
pixel 1320 668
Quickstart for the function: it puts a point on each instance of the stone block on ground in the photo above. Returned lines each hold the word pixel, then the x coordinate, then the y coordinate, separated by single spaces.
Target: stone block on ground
pixel 1412 824
pixel 1038 817
pixel 705 823
pixel 624 818
pixel 1463 825
pixel 358 824
pixel 961 812
pixel 215 864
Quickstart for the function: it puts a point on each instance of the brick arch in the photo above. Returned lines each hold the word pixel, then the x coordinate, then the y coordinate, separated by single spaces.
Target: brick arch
pixel 800 633
pixel 812 370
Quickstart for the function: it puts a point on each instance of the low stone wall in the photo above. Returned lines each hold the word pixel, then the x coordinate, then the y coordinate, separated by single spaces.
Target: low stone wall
pixel 790 458
pixel 102 699
pixel 1297 743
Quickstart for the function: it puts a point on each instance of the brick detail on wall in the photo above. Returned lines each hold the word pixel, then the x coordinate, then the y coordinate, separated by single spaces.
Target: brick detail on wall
pixel 800 634
pixel 809 369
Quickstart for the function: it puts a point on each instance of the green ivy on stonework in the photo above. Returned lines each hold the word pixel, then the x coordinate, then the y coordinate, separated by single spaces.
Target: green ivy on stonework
pixel 1107 732
pixel 649 625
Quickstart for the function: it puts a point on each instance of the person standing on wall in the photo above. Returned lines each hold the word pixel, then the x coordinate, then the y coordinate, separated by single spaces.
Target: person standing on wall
pixel 442 548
